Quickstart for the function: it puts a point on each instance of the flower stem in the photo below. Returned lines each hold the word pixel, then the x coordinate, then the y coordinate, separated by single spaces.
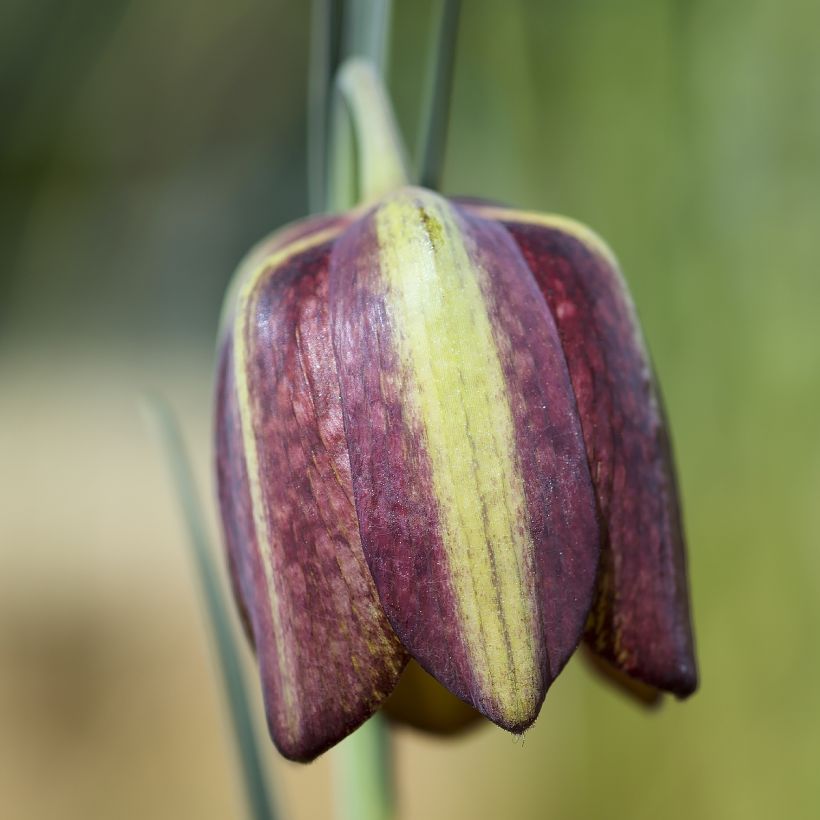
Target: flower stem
pixel 363 109
pixel 253 773
pixel 367 31
pixel 325 56
pixel 362 773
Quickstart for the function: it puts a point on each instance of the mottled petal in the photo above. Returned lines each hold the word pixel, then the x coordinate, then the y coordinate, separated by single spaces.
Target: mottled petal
pixel 327 655
pixel 263 250
pixel 475 504
pixel 641 620
pixel 230 465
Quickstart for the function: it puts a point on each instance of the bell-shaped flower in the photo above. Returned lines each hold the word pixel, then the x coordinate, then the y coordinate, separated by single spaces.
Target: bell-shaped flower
pixel 435 420
pixel 439 437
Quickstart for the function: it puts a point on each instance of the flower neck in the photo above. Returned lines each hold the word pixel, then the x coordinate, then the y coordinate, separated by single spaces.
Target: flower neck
pixel 380 161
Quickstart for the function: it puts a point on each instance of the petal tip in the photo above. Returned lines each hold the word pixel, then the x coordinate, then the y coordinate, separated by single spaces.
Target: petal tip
pixel 686 680
pixel 513 709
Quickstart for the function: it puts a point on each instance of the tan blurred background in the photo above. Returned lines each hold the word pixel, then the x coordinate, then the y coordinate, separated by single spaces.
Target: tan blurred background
pixel 144 146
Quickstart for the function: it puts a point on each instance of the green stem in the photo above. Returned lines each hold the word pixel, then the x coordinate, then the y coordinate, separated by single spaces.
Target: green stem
pixel 362 773
pixel 253 773
pixel 380 155
pixel 436 111
pixel 342 188
pixel 325 55
pixel 367 31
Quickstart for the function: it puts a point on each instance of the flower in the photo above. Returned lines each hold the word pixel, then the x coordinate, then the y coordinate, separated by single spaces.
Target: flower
pixel 438 437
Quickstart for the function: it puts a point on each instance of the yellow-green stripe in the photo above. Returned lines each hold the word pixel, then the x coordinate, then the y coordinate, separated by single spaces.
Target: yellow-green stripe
pixel 245 313
pixel 585 235
pixel 457 396
pixel 581 232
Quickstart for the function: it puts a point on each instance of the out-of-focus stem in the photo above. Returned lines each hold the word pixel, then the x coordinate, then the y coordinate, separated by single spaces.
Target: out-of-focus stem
pixel 363 778
pixel 325 56
pixel 340 29
pixel 436 110
pixel 367 31
pixel 342 191
pixel 256 785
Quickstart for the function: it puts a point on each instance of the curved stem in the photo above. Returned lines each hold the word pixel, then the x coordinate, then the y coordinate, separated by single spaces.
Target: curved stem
pixel 380 154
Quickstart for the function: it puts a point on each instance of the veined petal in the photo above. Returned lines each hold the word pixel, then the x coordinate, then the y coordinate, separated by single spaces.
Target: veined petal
pixel 230 463
pixel 327 655
pixel 641 621
pixel 279 240
pixel 475 504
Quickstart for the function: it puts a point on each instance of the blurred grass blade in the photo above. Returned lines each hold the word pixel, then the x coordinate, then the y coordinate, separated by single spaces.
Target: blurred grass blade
pixel 256 786
pixel 367 31
pixel 325 55
pixel 436 110
pixel 363 777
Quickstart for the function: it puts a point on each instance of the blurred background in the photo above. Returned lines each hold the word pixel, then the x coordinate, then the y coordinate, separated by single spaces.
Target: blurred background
pixel 144 147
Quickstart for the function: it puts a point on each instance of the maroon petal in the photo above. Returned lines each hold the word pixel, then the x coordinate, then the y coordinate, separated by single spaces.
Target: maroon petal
pixel 327 655
pixel 640 622
pixel 230 466
pixel 632 688
pixel 475 504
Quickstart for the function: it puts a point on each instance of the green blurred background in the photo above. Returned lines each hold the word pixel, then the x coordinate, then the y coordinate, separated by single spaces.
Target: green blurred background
pixel 144 146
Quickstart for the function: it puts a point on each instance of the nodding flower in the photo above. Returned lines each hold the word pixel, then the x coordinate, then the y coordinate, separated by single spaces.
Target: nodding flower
pixel 439 437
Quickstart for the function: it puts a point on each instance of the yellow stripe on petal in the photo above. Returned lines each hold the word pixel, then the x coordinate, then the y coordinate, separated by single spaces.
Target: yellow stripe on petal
pixel 584 234
pixel 456 397
pixel 565 224
pixel 245 315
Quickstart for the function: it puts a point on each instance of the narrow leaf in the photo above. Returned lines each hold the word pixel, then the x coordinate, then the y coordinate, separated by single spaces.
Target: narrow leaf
pixel 436 110
pixel 253 773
